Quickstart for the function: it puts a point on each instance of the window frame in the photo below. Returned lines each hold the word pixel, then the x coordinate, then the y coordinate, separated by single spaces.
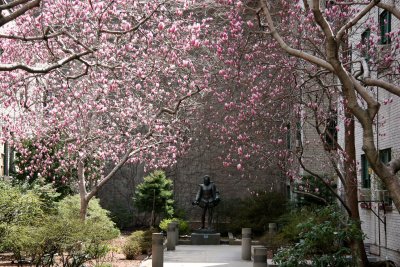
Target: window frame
pixel 385 28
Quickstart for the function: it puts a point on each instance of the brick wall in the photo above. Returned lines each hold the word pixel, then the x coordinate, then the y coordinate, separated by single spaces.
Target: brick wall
pixel 385 241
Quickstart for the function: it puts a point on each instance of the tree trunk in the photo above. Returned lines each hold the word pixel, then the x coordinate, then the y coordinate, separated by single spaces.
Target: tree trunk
pixel 82 191
pixel 357 246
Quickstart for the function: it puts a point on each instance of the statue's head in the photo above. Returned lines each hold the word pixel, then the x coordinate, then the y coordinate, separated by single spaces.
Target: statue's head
pixel 206 179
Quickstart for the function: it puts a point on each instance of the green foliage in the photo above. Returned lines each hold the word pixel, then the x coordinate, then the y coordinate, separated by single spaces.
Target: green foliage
pixel 122 217
pixel 290 232
pixel 314 187
pixel 138 243
pixel 156 188
pixel 18 212
pixel 182 224
pixel 255 211
pixel 31 230
pixel 323 240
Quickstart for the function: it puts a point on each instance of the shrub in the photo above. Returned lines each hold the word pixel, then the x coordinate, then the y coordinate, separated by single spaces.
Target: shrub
pixel 155 192
pixel 323 239
pixel 44 235
pixel 289 233
pixel 138 243
pixel 19 214
pixel 182 225
pixel 255 211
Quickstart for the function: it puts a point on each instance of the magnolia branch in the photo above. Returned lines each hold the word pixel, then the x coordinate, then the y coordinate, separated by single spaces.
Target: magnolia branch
pixel 333 191
pixel 321 21
pixel 291 51
pixel 391 8
pixel 20 11
pixel 44 69
pixel 13 4
pixel 128 154
pixel 355 19
pixel 373 105
pixel 31 38
pixel 390 87
pixel 176 108
pixel 311 195
pixel 136 27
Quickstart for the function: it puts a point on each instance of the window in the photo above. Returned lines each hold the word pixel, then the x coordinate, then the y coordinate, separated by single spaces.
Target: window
pixel 365 173
pixel 298 132
pixel 365 43
pixel 385 21
pixel 385 155
pixel 331 133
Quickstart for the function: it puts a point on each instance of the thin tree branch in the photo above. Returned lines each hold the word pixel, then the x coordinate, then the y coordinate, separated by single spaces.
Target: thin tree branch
pixel 44 69
pixel 19 12
pixel 355 19
pixel 291 51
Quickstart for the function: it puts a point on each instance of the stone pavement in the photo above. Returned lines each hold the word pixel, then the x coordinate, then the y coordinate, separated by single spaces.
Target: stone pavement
pixel 203 256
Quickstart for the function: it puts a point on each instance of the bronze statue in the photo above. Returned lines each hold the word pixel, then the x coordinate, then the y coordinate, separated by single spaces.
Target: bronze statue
pixel 207 198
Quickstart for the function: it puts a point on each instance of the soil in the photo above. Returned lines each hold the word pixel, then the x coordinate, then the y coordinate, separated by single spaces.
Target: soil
pixel 116 258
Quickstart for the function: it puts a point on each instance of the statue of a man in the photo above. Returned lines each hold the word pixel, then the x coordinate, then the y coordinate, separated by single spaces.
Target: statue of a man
pixel 207 198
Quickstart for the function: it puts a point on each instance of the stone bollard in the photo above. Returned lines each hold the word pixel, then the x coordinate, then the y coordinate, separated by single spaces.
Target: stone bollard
pixel 171 236
pixel 176 232
pixel 246 244
pixel 157 250
pixel 272 228
pixel 260 257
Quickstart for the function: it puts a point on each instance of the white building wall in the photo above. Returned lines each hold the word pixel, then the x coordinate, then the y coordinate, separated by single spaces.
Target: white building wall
pixel 384 241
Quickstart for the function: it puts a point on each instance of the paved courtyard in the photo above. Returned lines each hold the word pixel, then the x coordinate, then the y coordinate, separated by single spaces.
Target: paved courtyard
pixel 203 256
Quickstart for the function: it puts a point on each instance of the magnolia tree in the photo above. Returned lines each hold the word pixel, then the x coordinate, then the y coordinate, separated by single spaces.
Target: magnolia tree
pixel 266 93
pixel 329 81
pixel 327 32
pixel 107 81
pixel 250 106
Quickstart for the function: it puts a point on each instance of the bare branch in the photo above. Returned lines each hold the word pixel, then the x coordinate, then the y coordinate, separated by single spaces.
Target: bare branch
pixel 391 8
pixel 20 11
pixel 44 69
pixel 390 87
pixel 333 191
pixel 136 27
pixel 321 21
pixel 355 19
pixel 176 108
pixel 373 105
pixel 13 4
pixel 31 38
pixel 311 195
pixel 129 153
pixel 394 165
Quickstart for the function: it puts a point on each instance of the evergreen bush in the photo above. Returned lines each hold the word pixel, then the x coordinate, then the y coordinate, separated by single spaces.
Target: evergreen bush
pixel 182 225
pixel 155 192
pixel 138 243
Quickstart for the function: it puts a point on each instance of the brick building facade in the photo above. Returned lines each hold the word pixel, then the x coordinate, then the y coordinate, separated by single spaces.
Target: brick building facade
pixel 380 219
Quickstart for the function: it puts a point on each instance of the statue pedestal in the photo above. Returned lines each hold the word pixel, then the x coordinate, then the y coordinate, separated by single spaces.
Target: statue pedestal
pixel 205 237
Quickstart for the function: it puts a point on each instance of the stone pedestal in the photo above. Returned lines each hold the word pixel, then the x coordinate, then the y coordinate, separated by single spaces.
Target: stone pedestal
pixel 157 250
pixel 260 257
pixel 246 244
pixel 205 238
pixel 171 236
